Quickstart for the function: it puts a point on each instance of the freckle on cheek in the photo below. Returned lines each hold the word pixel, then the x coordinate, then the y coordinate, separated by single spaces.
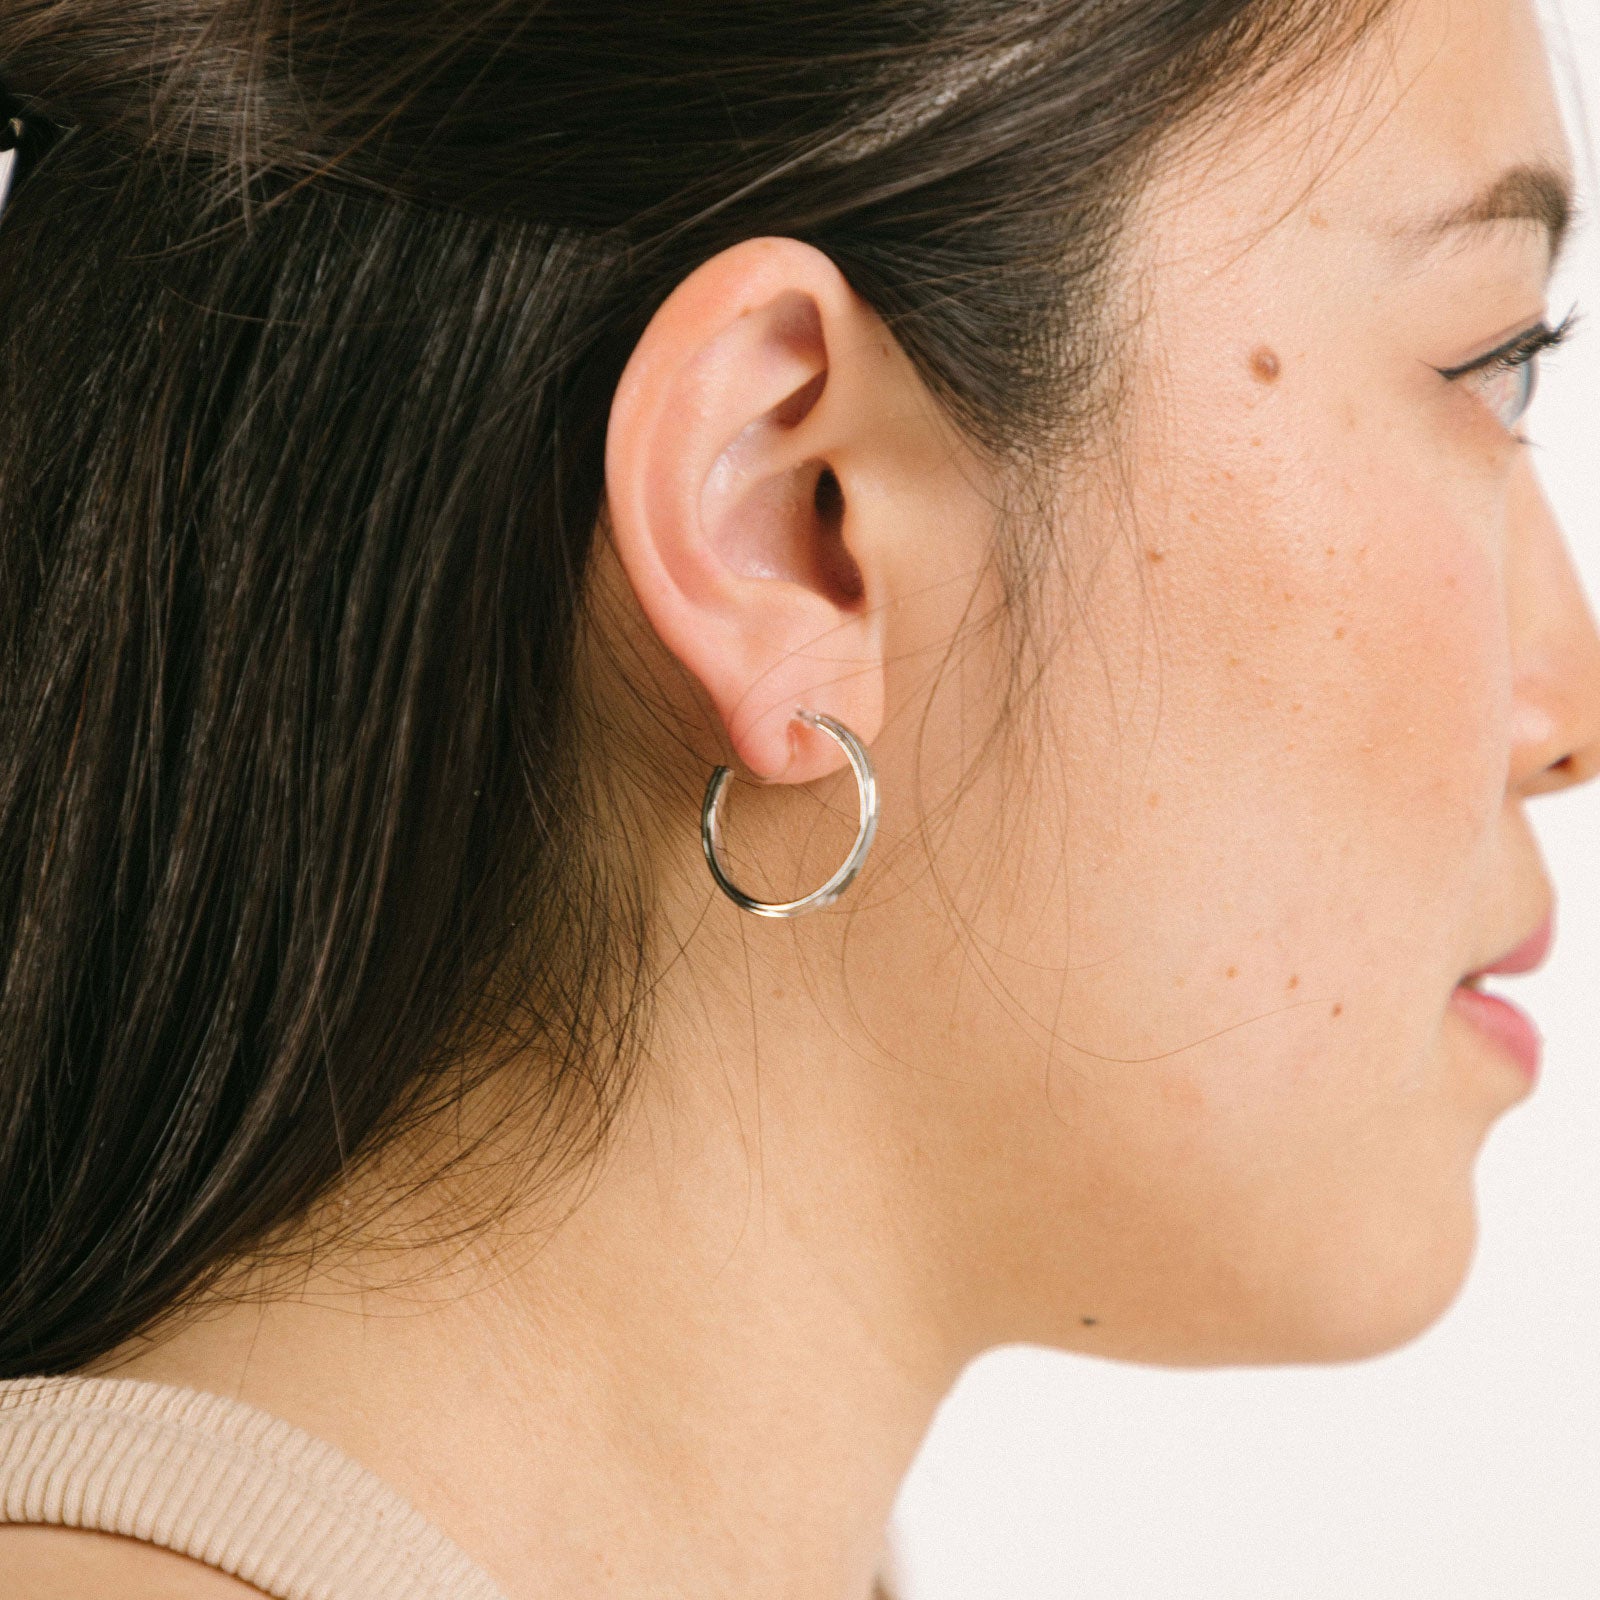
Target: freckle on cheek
pixel 1264 363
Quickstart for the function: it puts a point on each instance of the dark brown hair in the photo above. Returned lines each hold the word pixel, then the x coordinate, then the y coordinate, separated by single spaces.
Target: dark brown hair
pixel 310 317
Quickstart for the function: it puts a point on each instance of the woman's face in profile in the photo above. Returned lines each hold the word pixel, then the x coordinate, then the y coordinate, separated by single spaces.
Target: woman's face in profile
pixel 1319 639
pixel 358 761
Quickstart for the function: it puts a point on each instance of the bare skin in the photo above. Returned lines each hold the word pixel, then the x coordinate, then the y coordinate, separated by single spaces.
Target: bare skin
pixel 1141 1042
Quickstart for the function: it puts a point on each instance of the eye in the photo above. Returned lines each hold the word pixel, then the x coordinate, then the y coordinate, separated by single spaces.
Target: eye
pixel 1505 379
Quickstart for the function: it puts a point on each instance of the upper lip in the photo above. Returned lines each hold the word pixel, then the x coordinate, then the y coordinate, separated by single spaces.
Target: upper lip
pixel 1527 955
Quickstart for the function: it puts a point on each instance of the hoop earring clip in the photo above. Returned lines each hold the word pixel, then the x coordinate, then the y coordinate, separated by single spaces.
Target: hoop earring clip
pixel 867 797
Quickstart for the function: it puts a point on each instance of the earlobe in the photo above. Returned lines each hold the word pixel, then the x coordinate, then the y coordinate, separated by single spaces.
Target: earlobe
pixel 733 438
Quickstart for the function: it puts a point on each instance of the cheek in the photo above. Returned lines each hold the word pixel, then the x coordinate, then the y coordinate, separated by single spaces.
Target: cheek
pixel 1329 609
pixel 1341 631
pixel 1274 744
pixel 1279 753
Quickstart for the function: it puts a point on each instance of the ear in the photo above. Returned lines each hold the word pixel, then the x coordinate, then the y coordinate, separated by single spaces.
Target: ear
pixel 742 456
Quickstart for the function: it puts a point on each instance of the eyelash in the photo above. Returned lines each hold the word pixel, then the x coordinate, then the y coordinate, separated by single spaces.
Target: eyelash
pixel 1517 356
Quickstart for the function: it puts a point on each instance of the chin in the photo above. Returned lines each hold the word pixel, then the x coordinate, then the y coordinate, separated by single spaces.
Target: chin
pixel 1374 1300
pixel 1355 1293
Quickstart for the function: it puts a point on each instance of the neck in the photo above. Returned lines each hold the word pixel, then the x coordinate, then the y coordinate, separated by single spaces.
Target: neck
pixel 708 1380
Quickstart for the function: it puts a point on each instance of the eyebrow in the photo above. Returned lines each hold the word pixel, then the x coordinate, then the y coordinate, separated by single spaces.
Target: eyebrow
pixel 1528 192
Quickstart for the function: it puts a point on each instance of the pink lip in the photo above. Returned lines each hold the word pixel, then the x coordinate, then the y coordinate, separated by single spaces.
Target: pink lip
pixel 1504 1024
pixel 1494 1016
pixel 1529 953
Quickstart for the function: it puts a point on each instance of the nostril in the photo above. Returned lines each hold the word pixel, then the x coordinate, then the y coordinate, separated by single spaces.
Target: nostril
pixel 1565 772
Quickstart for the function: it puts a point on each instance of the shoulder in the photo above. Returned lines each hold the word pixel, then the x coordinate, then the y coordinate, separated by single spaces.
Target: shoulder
pixel 44 1562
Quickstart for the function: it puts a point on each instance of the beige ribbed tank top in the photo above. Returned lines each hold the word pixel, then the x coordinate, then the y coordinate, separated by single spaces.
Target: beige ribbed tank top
pixel 224 1483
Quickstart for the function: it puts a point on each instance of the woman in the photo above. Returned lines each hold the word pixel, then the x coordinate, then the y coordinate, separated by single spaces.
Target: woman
pixel 1065 461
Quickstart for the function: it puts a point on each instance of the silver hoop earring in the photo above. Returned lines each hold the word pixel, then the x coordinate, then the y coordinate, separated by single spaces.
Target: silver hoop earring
pixel 867 794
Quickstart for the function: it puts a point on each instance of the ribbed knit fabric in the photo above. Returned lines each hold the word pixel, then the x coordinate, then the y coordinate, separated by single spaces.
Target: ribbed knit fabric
pixel 234 1487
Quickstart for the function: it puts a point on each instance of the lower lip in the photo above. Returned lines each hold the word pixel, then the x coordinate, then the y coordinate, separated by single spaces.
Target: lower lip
pixel 1503 1023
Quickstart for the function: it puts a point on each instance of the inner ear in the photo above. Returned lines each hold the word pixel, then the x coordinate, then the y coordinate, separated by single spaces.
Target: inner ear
pixel 790 525
pixel 769 510
pixel 837 570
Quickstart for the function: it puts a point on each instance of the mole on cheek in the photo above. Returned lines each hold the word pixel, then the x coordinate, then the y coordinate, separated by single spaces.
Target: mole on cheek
pixel 1264 364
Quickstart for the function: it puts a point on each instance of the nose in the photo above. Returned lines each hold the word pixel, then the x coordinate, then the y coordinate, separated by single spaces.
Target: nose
pixel 1555 651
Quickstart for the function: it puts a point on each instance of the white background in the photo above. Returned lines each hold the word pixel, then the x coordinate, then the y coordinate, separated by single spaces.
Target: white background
pixel 1465 1466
